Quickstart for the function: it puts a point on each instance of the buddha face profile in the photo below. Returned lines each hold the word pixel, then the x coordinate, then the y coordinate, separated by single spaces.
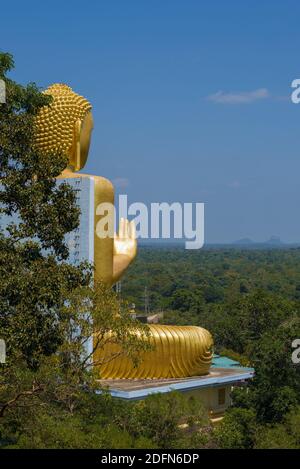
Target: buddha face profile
pixel 65 125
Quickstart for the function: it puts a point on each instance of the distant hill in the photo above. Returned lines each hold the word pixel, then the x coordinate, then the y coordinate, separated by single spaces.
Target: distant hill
pixel 244 241
pixel 274 240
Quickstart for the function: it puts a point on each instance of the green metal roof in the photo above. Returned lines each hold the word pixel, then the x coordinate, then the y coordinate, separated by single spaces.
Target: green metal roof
pixel 225 362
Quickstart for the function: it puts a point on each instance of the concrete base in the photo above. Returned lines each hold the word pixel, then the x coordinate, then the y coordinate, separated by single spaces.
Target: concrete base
pixel 139 389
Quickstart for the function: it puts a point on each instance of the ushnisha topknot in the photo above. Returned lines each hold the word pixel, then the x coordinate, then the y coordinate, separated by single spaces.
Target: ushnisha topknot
pixel 55 123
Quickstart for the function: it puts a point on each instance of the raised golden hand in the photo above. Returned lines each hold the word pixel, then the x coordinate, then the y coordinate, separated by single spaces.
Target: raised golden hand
pixel 125 248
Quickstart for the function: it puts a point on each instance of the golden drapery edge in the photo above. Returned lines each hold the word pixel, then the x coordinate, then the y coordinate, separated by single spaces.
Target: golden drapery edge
pixel 179 351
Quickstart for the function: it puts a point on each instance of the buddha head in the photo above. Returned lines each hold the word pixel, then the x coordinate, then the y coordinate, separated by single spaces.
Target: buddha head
pixel 65 125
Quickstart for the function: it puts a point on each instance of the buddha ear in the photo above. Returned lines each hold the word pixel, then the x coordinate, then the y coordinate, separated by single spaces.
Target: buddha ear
pixel 77 134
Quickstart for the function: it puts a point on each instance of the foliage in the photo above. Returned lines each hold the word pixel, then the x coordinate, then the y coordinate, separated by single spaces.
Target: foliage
pixel 237 430
pixel 160 421
pixel 28 187
pixel 275 388
pixel 212 276
pixel 48 308
pixel 285 435
pixel 166 419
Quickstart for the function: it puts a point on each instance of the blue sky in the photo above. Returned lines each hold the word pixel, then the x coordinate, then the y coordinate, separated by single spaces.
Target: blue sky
pixel 191 99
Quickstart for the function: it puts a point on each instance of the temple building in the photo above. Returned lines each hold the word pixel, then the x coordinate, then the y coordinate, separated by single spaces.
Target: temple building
pixel 214 389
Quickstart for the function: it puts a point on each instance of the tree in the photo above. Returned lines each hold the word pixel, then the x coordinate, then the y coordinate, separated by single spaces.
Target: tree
pixel 237 430
pixel 33 284
pixel 285 435
pixel 48 308
pixel 28 186
pixel 240 324
pixel 170 420
pixel 275 387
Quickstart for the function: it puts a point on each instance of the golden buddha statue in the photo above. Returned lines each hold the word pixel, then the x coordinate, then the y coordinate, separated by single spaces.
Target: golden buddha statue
pixel 66 125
